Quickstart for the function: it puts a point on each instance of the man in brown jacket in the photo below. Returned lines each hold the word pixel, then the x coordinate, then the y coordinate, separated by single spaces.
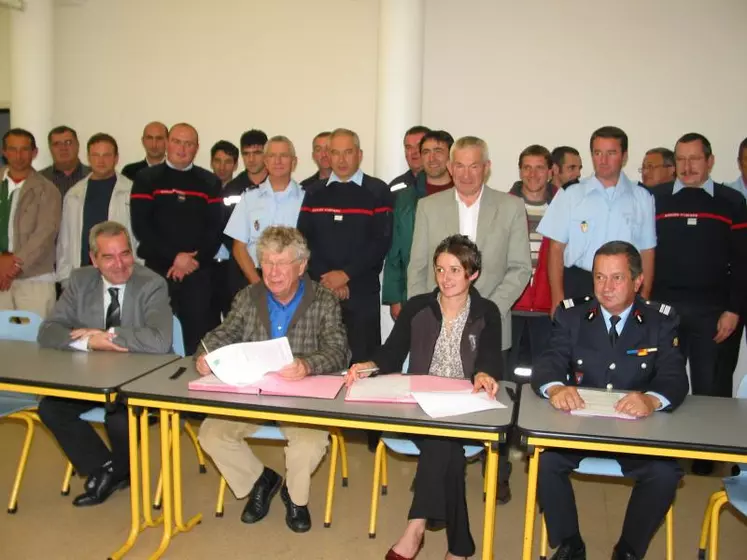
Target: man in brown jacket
pixel 286 303
pixel 30 212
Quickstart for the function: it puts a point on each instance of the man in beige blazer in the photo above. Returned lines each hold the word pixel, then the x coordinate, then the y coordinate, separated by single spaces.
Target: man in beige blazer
pixel 30 208
pixel 495 220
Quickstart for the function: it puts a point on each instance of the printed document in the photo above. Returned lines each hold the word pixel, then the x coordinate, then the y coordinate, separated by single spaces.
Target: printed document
pixel 247 362
pixel 442 404
pixel 601 403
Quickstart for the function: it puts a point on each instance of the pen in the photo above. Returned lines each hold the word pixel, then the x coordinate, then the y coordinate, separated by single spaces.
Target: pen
pixel 177 373
pixel 364 370
pixel 205 347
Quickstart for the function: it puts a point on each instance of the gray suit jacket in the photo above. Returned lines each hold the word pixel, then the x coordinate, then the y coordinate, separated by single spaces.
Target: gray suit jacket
pixel 147 320
pixel 502 237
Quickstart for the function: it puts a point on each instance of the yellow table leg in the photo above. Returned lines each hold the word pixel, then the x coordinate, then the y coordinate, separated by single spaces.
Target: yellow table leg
pixel 715 512
pixel 331 480
pixel 134 488
pixel 531 506
pixel 166 474
pixel 145 462
pixel 176 449
pixel 491 477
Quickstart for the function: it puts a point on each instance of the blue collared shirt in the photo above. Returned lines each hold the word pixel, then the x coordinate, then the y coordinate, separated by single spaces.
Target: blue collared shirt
pixel 281 315
pixel 619 328
pixel 587 215
pixel 356 178
pixel 263 207
pixel 738 185
pixel 707 186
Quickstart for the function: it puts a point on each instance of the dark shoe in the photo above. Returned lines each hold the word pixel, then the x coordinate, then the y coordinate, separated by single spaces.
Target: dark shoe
pixel 258 503
pixel 735 470
pixel 618 554
pixel 99 486
pixel 570 551
pixel 296 517
pixel 701 467
pixel 503 494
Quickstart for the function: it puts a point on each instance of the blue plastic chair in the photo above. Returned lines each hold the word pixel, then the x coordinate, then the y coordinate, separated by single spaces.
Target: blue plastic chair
pixel 22 326
pixel 600 466
pixel 399 446
pixel 734 493
pixel 97 415
pixel 271 432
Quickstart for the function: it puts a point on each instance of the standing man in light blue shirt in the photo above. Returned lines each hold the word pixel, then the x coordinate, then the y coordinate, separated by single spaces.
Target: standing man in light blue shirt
pixel 740 183
pixel 276 202
pixel 606 206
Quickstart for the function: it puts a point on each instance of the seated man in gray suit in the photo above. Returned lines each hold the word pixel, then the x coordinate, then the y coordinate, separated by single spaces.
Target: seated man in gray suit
pixel 115 305
pixel 497 222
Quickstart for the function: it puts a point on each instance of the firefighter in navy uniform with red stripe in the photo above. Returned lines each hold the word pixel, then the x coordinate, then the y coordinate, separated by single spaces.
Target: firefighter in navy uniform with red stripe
pixel 619 342
pixel 177 218
pixel 701 228
pixel 347 221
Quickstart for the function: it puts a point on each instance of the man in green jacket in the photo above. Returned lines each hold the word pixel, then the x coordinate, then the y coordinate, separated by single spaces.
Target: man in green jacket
pixel 434 150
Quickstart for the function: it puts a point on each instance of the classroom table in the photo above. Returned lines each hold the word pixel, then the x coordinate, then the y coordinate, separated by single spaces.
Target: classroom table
pixel 709 428
pixel 160 390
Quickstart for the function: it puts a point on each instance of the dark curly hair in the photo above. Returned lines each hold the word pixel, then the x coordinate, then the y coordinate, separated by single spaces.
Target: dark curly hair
pixel 464 249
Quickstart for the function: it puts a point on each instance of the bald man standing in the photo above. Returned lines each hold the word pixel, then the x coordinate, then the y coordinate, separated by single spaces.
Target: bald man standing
pixel 176 216
pixel 154 143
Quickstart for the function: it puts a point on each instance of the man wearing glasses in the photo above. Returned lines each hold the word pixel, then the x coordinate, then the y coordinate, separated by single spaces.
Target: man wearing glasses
pixel 66 168
pixel 701 271
pixel 657 168
pixel 176 216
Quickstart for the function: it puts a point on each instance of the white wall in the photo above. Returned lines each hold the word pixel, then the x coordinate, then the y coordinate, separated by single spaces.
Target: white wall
pixel 550 72
pixel 224 65
pixel 4 58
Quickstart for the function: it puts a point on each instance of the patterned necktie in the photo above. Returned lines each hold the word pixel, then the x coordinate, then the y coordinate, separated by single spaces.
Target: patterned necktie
pixel 113 312
pixel 4 215
pixel 614 320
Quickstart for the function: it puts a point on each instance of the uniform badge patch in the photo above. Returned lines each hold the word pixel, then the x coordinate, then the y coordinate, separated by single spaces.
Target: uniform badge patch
pixel 584 227
pixel 676 341
pixel 579 375
pixel 256 225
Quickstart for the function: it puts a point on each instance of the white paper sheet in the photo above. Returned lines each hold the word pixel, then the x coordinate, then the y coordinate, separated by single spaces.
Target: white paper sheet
pixel 247 362
pixel 600 403
pixel 441 405
pixel 385 388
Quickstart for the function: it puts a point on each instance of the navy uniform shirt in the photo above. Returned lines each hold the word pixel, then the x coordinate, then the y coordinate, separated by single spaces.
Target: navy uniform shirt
pixel 646 357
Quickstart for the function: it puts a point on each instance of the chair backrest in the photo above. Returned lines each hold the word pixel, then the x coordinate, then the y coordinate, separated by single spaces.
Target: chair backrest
pixel 177 342
pixel 19 325
pixel 742 389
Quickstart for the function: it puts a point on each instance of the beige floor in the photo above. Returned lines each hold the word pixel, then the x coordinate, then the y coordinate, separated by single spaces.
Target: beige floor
pixel 47 526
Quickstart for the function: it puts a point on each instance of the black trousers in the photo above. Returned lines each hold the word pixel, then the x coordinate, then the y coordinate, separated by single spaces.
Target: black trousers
pixel 363 325
pixel 530 336
pixel 711 365
pixel 221 293
pixel 439 490
pixel 190 300
pixel 655 487
pixel 577 282
pixel 80 442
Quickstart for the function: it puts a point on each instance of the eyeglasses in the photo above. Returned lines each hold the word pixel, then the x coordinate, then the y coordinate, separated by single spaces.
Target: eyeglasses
pixel 650 167
pixel 272 264
pixel 58 143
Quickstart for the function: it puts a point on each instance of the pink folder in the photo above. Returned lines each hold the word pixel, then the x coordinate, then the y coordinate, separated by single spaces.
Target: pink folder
pixel 314 386
pixel 418 383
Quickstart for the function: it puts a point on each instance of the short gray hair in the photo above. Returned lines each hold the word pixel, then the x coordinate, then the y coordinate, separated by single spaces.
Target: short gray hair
pixel 279 138
pixel 346 132
pixel 107 229
pixel 276 239
pixel 470 142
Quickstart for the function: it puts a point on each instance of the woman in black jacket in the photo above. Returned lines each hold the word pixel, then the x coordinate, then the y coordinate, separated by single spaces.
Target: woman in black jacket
pixel 451 332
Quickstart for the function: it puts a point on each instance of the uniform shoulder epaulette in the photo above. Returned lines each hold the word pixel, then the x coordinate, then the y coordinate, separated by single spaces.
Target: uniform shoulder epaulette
pixel 662 308
pixel 572 302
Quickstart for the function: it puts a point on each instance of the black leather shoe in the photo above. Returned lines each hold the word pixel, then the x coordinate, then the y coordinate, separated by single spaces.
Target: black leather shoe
pixel 258 504
pixel 617 554
pixel 570 551
pixel 296 517
pixel 99 486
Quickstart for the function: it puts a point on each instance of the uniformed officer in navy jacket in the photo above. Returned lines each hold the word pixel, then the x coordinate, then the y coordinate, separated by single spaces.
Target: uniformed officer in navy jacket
pixel 617 341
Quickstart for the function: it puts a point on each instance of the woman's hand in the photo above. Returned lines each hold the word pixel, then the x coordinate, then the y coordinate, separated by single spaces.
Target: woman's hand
pixel 354 374
pixel 484 381
pixel 202 366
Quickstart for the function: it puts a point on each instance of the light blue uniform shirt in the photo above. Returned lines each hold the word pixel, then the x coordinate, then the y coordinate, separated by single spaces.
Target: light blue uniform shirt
pixel 738 185
pixel 619 328
pixel 707 186
pixel 585 216
pixel 356 178
pixel 263 207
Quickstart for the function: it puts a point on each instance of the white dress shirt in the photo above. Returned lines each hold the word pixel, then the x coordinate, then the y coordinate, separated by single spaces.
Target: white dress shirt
pixel 468 215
